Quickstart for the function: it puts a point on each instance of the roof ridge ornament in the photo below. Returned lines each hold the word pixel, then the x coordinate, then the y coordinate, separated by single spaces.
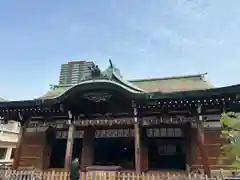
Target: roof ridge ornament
pixel 95 71
pixel 111 64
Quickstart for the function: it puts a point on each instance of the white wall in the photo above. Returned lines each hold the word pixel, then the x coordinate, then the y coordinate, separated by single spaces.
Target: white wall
pixel 8 139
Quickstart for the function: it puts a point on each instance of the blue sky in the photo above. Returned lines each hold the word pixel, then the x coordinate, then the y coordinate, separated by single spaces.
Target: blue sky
pixel 153 38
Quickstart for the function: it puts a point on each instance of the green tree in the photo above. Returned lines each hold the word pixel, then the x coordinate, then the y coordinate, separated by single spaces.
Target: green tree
pixel 231 133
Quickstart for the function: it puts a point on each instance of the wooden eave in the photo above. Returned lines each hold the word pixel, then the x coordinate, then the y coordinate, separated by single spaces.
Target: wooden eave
pixel 219 99
pixel 20 104
pixel 185 99
pixel 195 94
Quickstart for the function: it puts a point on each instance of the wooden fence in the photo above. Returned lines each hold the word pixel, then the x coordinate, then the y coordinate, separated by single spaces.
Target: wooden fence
pixel 102 175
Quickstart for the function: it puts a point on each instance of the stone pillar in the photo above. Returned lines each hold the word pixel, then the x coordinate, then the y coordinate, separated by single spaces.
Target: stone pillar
pixel 70 140
pixel 87 148
pixel 17 154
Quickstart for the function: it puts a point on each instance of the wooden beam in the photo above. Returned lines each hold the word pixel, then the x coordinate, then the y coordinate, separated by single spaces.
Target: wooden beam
pixel 70 140
pixel 200 141
pixel 17 154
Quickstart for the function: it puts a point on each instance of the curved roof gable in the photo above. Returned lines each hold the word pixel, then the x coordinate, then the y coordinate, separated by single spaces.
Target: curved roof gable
pixel 110 76
pixel 117 77
pixel 94 84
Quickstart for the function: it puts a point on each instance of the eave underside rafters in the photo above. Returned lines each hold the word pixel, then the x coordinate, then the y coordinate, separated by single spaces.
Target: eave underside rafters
pixel 120 107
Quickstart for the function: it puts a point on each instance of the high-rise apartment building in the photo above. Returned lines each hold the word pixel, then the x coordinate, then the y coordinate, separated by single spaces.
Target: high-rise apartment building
pixel 74 72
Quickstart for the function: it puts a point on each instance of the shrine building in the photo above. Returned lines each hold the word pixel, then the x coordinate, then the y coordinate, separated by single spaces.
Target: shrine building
pixel 140 125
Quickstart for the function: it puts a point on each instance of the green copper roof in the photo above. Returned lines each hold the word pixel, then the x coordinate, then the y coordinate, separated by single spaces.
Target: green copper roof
pixel 174 84
pixel 54 92
pixel 119 79
pixel 167 84
pixel 2 100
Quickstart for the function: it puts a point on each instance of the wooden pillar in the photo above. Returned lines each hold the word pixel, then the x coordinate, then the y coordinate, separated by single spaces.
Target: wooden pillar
pixel 188 140
pixel 70 140
pixel 200 140
pixel 137 139
pixel 137 147
pixel 50 137
pixel 144 149
pixel 17 154
pixel 87 156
